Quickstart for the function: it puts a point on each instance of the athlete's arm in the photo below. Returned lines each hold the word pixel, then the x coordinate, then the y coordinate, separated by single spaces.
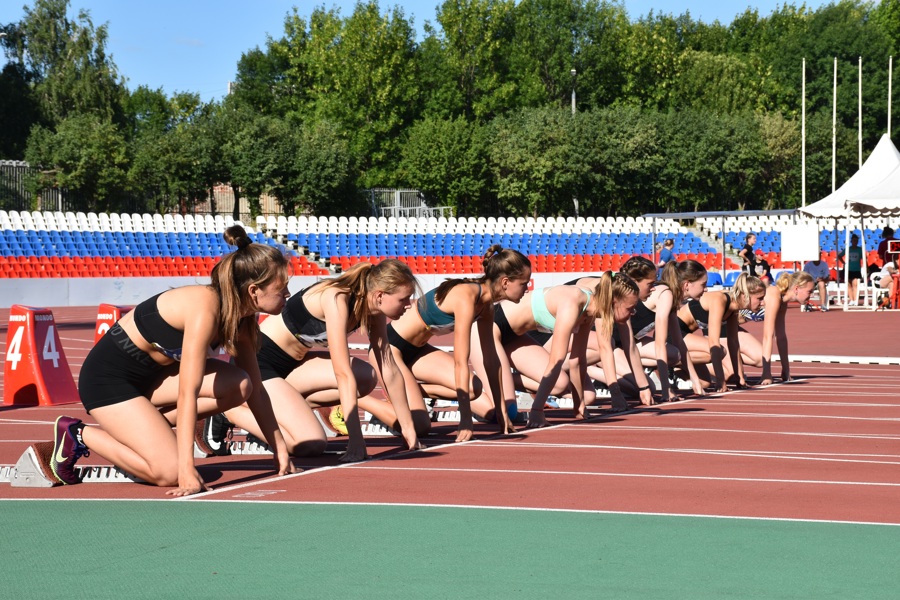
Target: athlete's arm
pixel 391 379
pixel 337 321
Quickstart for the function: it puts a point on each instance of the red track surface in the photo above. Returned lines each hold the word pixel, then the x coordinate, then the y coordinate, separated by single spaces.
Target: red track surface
pixel 826 447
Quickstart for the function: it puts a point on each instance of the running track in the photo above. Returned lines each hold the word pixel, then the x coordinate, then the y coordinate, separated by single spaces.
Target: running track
pixel 826 447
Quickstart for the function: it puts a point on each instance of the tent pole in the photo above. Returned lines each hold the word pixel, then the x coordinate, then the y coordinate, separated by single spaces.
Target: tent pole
pixel 846 267
pixel 722 229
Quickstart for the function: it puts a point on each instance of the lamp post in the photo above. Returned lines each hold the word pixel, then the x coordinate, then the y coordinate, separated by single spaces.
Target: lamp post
pixel 574 74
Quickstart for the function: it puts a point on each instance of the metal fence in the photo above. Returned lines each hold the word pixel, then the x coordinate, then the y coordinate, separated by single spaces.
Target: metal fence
pixel 14 195
pixel 389 202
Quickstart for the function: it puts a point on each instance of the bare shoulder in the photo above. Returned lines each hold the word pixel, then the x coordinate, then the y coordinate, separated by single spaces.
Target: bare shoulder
pixel 190 298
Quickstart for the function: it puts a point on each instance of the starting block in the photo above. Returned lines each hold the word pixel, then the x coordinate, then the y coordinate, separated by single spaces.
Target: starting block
pixel 236 449
pixel 107 315
pixel 36 370
pixel 32 470
pixel 375 428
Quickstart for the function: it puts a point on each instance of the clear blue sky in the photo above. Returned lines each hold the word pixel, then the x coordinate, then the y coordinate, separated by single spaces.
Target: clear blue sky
pixel 194 45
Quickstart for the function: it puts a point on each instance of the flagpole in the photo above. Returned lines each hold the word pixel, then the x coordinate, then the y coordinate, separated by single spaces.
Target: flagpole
pixel 803 139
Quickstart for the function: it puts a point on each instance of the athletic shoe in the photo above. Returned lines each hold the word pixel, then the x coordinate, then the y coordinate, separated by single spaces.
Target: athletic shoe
pixel 252 439
pixel 682 385
pixel 215 436
pixel 336 418
pixel 67 450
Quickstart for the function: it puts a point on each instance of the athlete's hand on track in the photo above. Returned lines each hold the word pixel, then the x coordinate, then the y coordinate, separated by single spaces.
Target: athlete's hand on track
pixel 508 427
pixel 536 419
pixel 189 483
pixel 284 466
pixel 466 430
pixel 646 397
pixel 698 387
pixel 353 455
pixel 413 443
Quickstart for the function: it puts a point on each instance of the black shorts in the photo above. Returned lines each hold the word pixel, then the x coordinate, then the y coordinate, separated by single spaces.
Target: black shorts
pixel 541 337
pixel 273 361
pixel 408 352
pixel 855 275
pixel 116 370
pixel 506 331
pixel 686 330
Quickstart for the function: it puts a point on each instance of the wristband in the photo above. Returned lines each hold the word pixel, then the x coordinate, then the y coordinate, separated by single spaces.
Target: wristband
pixel 645 387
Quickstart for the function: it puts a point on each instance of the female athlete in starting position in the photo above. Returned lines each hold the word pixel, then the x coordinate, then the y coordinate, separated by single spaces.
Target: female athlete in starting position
pixel 454 306
pixel 152 370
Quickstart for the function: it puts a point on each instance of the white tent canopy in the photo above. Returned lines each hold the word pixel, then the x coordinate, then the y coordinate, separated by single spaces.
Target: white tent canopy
pixel 881 166
pixel 882 200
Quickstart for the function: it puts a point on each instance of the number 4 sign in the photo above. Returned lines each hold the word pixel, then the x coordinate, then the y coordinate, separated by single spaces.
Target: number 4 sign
pixel 36 370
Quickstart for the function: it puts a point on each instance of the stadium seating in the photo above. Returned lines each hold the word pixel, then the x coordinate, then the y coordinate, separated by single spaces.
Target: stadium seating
pixel 56 244
pixel 100 245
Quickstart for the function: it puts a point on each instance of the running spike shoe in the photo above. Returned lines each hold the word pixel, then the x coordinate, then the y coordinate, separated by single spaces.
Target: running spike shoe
pixel 336 418
pixel 67 450
pixel 215 435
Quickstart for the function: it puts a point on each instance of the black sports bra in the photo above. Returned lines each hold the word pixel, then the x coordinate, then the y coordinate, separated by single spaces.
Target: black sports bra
pixel 163 337
pixel 307 329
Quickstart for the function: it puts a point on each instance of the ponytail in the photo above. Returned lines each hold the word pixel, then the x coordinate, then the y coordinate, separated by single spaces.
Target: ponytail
pixel 676 274
pixel 362 278
pixel 790 280
pixel 612 288
pixel 233 275
pixel 744 287
pixel 498 262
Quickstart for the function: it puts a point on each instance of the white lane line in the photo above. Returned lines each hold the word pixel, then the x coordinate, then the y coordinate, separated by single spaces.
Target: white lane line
pixel 852 436
pixel 710 413
pixel 811 456
pixel 471 506
pixel 641 476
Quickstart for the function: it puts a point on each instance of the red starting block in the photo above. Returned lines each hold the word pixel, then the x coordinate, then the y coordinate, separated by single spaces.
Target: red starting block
pixel 36 370
pixel 107 315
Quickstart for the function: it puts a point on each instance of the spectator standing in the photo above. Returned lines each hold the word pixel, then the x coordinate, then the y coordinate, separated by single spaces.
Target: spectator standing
pixel 747 255
pixel 852 259
pixel 667 253
pixel 820 272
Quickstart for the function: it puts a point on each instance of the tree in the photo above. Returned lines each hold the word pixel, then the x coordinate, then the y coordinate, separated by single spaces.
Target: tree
pixel 262 82
pixel 651 61
pixel 19 110
pixel 363 77
pixel 85 154
pixel 542 51
pixel 623 147
pixel 73 74
pixel 601 78
pixel 324 174
pixel 447 160
pixel 475 36
pixel 718 83
pixel 534 162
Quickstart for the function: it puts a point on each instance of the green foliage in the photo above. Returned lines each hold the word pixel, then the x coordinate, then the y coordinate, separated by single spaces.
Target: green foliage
pixel 447 160
pixel 86 155
pixel 72 72
pixel 475 38
pixel 672 113
pixel 534 163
